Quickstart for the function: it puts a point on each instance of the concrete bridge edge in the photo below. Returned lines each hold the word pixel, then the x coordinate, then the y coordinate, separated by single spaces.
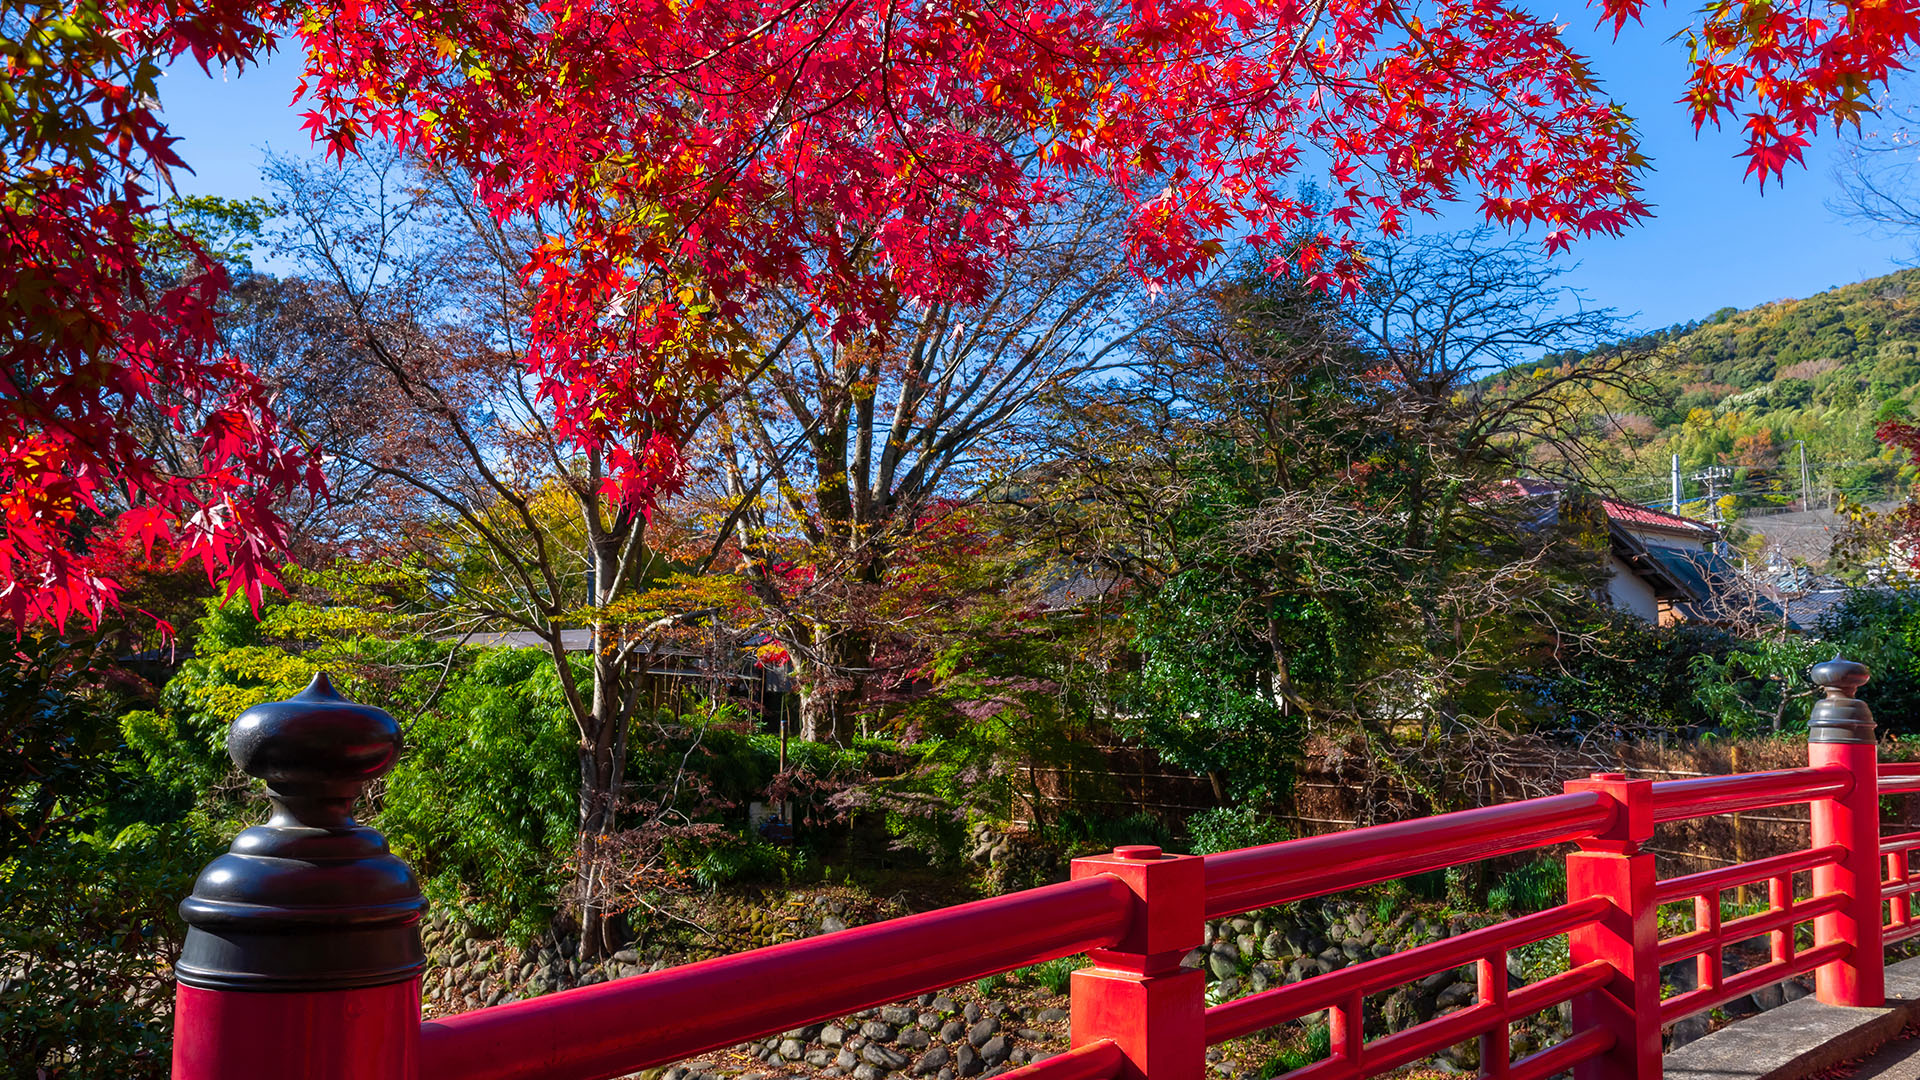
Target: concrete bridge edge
pixel 1801 1037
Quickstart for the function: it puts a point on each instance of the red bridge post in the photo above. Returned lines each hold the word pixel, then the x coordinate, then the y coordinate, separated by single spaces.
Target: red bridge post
pixel 1840 736
pixel 1136 994
pixel 302 959
pixel 1612 865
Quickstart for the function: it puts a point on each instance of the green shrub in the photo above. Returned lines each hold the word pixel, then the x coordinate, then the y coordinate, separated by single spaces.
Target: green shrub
pixel 1536 886
pixel 1077 833
pixel 95 854
pixel 939 837
pixel 745 861
pixel 1226 828
pixel 1056 975
pixel 1316 1045
pixel 1431 885
pixel 482 802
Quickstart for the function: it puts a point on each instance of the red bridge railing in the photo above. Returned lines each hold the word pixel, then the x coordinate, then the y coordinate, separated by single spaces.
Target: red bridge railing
pixel 303 958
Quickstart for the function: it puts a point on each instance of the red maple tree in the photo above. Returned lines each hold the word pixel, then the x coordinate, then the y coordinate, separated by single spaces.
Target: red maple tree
pixel 867 153
pixel 119 416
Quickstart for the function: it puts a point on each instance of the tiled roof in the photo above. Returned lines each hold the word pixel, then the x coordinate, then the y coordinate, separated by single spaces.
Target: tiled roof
pixel 1644 517
pixel 1624 514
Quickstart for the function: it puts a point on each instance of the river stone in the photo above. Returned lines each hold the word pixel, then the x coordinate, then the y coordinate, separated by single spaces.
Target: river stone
pixel 845 1059
pixel 897 1015
pixel 832 924
pixel 982 1031
pixel 833 1035
pixel 932 1061
pixel 928 1020
pixel 819 1059
pixel 946 1073
pixel 972 1012
pixel 792 1049
pixel 1053 1016
pixel 943 1004
pixel 877 1031
pixel 951 1030
pixel 1031 1035
pixel 966 1062
pixel 914 1039
pixel 1460 993
pixel 996 1050
pixel 1222 967
pixel 867 1072
pixel 886 1058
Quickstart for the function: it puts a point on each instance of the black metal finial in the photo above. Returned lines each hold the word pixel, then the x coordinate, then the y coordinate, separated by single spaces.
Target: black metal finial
pixel 310 900
pixel 1840 717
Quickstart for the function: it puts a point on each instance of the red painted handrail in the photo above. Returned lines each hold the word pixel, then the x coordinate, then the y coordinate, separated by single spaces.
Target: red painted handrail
pixel 590 1033
pixel 1294 1000
pixel 636 1023
pixel 1098 1060
pixel 1746 873
pixel 1899 777
pixel 1139 1010
pixel 1705 796
pixel 1335 862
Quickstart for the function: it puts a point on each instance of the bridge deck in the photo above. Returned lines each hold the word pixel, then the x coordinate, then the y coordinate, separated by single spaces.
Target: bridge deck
pixel 1804 1038
pixel 1898 1060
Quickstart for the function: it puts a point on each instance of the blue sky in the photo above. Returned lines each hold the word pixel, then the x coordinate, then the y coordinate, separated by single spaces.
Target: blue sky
pixel 1716 241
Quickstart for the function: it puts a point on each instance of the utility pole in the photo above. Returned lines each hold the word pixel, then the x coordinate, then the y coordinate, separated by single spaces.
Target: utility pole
pixel 1804 485
pixel 1711 476
pixel 1676 485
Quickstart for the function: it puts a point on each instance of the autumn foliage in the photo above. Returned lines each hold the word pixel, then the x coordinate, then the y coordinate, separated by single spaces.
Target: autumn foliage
pixel 118 408
pixel 862 153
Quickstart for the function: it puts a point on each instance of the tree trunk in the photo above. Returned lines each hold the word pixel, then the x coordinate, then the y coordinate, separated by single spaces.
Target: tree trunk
pixel 830 698
pixel 600 779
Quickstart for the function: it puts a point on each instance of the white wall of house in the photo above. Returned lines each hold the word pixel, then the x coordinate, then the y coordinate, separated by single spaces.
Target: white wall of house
pixel 1630 591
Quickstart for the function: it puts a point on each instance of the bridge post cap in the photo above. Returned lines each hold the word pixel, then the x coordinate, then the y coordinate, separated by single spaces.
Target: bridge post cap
pixel 1844 676
pixel 1137 852
pixel 1840 717
pixel 315 742
pixel 1608 776
pixel 311 900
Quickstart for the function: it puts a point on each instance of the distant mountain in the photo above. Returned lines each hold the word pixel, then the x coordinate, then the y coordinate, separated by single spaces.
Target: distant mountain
pixel 1734 392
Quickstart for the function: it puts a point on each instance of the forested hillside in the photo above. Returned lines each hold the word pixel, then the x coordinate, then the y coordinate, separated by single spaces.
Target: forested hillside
pixel 1738 389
